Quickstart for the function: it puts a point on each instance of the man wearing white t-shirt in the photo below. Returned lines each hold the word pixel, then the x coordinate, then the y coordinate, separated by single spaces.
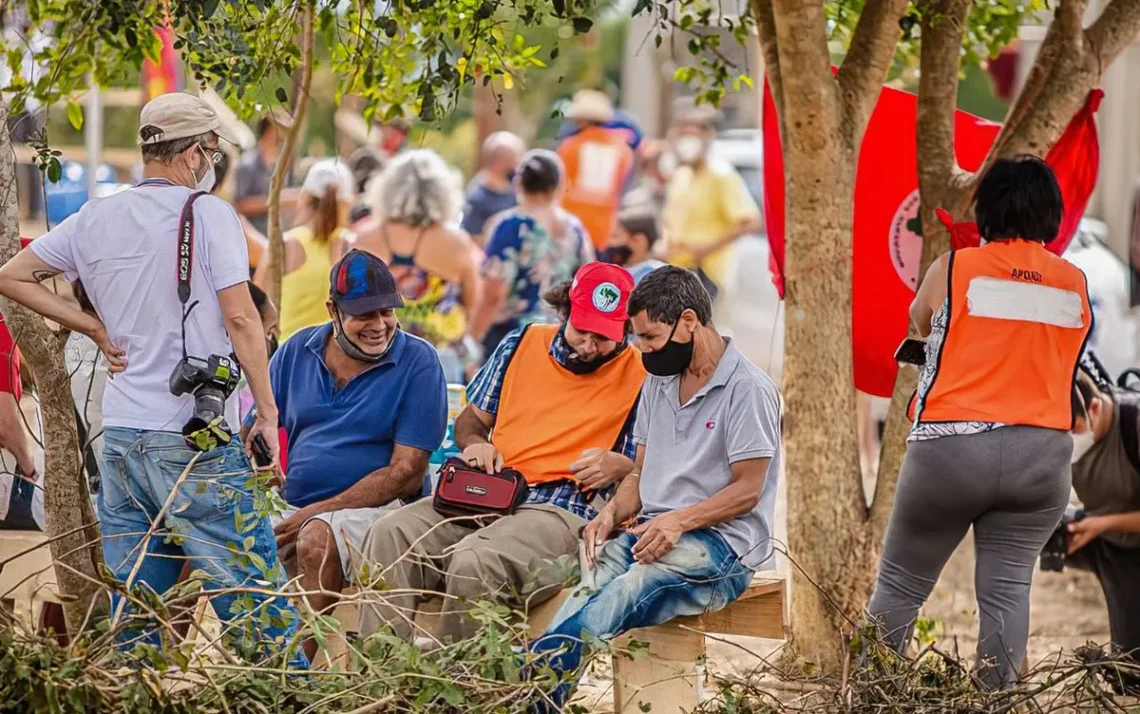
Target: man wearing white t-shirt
pixel 125 248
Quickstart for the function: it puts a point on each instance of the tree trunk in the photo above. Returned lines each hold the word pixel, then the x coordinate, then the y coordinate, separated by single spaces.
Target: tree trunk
pixel 823 117
pixel 825 502
pixel 71 523
pixel 276 242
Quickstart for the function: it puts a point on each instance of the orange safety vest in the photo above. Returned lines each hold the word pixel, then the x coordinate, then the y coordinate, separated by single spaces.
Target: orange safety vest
pixel 597 160
pixel 548 416
pixel 1019 318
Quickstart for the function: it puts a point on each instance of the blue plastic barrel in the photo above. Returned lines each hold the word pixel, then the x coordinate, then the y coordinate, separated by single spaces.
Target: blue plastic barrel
pixel 67 195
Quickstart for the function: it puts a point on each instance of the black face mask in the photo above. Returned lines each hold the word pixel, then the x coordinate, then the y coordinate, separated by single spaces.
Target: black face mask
pixel 670 360
pixel 579 367
pixel 618 255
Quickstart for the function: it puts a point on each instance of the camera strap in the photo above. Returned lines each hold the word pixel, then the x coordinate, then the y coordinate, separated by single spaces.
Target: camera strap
pixel 185 260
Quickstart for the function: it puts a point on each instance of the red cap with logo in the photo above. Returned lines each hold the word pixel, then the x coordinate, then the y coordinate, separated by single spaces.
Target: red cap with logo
pixel 598 298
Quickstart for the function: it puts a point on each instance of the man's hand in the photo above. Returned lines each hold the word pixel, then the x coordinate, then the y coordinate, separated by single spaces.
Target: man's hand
pixel 116 358
pixel 484 456
pixel 287 530
pixel 267 429
pixel 598 468
pixel 596 533
pixel 1085 531
pixel 656 537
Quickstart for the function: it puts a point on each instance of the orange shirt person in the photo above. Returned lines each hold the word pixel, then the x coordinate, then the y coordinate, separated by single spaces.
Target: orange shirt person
pixel 990 448
pixel 598 159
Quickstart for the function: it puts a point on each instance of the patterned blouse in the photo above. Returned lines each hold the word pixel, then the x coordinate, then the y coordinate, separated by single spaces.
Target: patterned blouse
pixel 530 261
pixel 925 432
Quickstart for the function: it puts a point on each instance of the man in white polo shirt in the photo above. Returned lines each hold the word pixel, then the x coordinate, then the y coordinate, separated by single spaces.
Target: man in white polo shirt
pixel 694 520
pixel 158 298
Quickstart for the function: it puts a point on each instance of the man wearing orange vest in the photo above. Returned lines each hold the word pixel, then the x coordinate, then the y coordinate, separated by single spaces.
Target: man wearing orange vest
pixel 990 447
pixel 554 402
pixel 598 158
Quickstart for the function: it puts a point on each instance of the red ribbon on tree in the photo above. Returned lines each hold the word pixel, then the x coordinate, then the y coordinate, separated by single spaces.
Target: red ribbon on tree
pixel 887 245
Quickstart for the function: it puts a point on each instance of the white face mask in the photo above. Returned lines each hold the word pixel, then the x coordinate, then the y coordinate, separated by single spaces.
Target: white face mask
pixel 1081 444
pixel 206 183
pixel 689 149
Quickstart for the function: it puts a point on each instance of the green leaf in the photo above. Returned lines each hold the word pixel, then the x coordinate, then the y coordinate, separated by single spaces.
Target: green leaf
pixel 282 96
pixel 248 543
pixel 75 115
pixel 582 25
pixel 55 170
pixel 209 7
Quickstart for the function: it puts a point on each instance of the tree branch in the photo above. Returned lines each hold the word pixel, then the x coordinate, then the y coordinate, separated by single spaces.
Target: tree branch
pixel 801 41
pixel 868 58
pixel 1063 73
pixel 765 21
pixel 943 27
pixel 276 247
pixel 1113 30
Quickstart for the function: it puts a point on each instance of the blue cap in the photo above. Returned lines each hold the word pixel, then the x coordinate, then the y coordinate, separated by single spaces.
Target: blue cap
pixel 361 283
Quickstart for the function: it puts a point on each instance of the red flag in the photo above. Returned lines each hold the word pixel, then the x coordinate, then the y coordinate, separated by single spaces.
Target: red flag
pixel 887 245
pixel 166 75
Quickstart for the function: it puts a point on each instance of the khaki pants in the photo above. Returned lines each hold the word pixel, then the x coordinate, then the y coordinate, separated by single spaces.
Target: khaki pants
pixel 509 561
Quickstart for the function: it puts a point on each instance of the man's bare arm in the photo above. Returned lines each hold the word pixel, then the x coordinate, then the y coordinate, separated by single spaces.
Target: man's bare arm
pixel 403 476
pixel 733 500
pixel 626 502
pixel 21 280
pixel 243 324
pixel 473 426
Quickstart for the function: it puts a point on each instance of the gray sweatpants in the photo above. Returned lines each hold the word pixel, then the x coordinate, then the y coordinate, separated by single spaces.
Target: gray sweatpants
pixel 1011 485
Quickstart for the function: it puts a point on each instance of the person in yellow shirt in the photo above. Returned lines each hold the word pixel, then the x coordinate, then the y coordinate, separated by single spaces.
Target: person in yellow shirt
pixel 313 246
pixel 707 204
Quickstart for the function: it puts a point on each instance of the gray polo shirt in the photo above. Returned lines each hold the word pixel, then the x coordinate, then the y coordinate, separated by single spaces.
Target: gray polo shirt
pixel 689 449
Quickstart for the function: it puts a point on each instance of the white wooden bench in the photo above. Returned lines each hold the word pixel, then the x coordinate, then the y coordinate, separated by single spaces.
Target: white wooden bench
pixel 669 676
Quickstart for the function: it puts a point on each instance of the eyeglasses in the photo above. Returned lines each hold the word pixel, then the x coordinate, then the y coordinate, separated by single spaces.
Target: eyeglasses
pixel 213 153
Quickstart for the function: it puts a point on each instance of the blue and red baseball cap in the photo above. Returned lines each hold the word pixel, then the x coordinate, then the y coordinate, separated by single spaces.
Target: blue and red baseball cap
pixel 361 283
pixel 598 298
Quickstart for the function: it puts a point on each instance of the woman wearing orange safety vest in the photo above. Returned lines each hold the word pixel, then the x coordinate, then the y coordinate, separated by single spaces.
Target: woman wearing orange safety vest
pixel 990 445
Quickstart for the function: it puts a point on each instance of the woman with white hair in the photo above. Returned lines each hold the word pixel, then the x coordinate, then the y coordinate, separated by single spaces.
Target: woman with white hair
pixel 415 201
pixel 312 247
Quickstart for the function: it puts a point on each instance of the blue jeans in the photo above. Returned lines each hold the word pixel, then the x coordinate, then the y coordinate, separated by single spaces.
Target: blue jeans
pixel 700 574
pixel 210 521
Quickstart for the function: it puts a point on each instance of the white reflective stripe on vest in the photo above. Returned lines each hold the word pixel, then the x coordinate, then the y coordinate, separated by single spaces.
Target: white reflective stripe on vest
pixel 1027 302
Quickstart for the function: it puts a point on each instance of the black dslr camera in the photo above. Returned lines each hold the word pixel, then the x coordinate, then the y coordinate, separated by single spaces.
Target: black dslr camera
pixel 1053 554
pixel 211 381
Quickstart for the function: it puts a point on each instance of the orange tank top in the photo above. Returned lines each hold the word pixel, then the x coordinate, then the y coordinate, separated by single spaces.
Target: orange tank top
pixel 1019 317
pixel 597 160
pixel 548 416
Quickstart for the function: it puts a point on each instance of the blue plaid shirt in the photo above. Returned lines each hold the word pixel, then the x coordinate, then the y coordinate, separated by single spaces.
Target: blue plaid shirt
pixel 484 392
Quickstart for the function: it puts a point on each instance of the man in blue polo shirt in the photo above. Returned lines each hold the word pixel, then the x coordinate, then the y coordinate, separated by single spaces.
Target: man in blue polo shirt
pixel 363 405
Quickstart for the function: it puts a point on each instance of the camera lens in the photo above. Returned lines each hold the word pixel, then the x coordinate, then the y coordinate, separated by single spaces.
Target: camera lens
pixel 209 403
